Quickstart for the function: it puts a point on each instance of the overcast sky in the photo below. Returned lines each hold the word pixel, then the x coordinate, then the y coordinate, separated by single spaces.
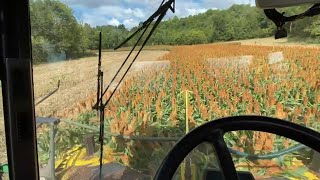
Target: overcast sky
pixel 131 12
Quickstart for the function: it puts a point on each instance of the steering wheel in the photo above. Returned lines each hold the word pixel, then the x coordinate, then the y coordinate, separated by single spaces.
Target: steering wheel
pixel 212 132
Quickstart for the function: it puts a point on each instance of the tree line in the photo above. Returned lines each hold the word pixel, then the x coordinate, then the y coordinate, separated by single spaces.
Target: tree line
pixel 56 32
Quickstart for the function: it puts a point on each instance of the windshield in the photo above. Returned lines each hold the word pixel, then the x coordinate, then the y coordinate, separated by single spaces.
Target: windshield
pixel 207 61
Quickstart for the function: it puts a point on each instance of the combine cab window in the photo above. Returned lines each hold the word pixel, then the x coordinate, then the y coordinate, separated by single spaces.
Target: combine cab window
pixel 183 78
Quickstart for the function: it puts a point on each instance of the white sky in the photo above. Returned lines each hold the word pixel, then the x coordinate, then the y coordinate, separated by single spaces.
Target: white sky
pixel 131 12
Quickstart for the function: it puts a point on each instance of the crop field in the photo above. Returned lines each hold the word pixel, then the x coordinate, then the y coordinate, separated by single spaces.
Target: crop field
pixel 222 80
pixel 78 85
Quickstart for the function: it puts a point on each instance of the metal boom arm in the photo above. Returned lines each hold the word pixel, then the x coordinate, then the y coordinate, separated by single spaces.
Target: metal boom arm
pixel 159 14
pixel 162 9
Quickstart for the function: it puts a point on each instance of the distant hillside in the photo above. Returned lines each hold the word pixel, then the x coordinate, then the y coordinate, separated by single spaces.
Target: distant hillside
pixel 56 32
pixel 237 22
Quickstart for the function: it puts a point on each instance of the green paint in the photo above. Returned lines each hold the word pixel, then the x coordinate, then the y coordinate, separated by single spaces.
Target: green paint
pixel 4 168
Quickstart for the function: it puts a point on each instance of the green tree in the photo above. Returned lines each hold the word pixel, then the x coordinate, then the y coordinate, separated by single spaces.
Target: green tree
pixel 313 30
pixel 54 22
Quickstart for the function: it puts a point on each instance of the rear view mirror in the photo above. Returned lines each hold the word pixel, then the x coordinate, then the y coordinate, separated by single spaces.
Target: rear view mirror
pixel 269 4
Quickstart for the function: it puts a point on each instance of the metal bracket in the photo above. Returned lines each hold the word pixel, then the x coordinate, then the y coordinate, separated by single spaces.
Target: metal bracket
pixel 49 170
pixel 173 7
pixel 280 20
pixel 48 95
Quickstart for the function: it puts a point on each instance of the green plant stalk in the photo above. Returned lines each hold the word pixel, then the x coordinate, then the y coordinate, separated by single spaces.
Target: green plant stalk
pixel 268 156
pixel 159 139
pixel 173 139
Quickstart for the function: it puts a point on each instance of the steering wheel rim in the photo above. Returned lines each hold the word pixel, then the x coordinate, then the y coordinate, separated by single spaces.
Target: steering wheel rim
pixel 213 132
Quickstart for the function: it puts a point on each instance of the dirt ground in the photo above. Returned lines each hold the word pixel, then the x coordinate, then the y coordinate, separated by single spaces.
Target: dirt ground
pixel 78 79
pixel 273 42
pixel 78 83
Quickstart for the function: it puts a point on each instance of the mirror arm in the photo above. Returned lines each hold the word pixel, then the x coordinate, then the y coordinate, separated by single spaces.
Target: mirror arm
pixel 280 20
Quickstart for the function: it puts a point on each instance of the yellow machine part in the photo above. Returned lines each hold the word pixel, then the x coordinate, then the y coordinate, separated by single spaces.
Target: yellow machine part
pixel 77 157
pixel 309 175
